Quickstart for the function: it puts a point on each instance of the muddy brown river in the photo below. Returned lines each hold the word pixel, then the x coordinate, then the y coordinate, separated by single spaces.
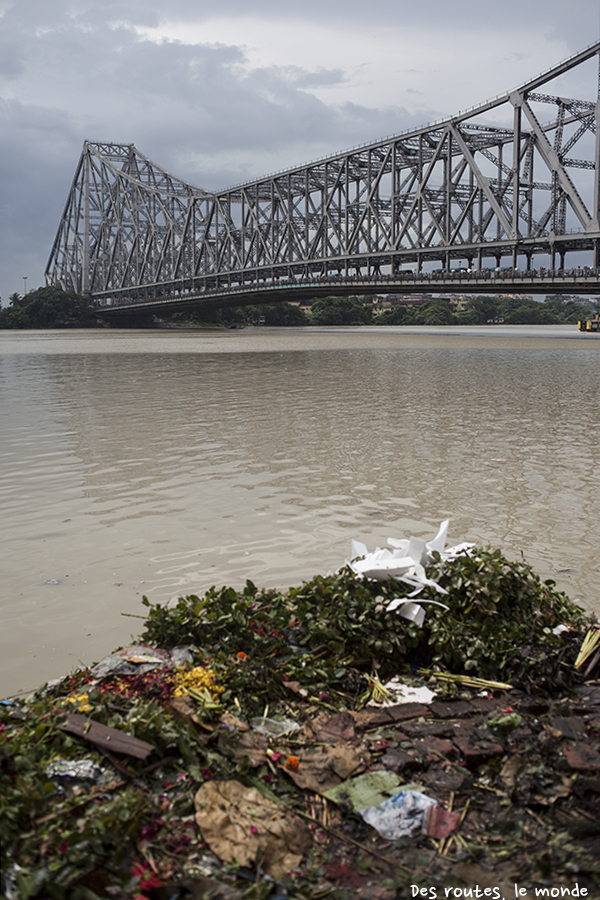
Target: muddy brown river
pixel 163 462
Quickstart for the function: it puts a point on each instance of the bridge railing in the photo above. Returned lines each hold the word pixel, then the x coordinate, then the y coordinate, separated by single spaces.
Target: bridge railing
pixel 585 277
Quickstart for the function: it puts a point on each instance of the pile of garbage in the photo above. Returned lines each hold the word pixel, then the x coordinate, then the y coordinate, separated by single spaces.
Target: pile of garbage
pixel 420 721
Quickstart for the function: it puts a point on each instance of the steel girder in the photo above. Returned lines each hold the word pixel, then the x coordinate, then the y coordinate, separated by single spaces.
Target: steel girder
pixel 464 188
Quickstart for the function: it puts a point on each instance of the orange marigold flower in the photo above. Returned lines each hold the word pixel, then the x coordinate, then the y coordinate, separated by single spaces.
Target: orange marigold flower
pixel 292 762
pixel 242 655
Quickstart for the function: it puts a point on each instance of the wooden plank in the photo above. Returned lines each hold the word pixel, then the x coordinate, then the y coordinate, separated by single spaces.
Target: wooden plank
pixel 107 738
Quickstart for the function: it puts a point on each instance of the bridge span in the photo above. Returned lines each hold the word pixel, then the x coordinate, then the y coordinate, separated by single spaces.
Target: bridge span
pixel 180 298
pixel 501 198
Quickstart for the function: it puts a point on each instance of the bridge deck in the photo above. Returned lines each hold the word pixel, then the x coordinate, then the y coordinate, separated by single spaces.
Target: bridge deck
pixel 171 298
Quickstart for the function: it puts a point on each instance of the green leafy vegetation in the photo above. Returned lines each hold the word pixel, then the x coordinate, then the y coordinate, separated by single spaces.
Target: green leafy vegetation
pixel 479 310
pixel 335 628
pixel 48 307
pixel 274 314
pixel 59 835
pixel 322 647
pixel 359 311
pixel 500 623
pixel 51 307
pixel 340 311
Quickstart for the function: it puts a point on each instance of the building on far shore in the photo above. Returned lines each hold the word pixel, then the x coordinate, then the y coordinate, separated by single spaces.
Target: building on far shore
pixel 301 304
pixel 458 302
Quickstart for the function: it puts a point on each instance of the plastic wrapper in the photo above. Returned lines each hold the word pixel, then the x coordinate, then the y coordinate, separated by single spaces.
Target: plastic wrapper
pixel 273 727
pixel 83 769
pixel 404 693
pixel 138 659
pixel 398 816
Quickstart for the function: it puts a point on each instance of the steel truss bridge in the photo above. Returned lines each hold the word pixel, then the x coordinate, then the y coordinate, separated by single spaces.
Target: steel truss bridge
pixel 462 205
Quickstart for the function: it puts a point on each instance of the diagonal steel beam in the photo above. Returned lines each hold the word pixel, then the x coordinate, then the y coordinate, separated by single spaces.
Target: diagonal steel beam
pixel 483 182
pixel 420 192
pixel 552 160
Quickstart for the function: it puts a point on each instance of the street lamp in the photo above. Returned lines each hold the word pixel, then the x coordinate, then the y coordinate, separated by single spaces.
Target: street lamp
pixel 25 283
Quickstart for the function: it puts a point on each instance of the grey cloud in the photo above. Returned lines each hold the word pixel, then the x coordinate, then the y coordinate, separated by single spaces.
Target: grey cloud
pixel 546 18
pixel 319 78
pixel 35 144
pixel 12 62
pixel 198 111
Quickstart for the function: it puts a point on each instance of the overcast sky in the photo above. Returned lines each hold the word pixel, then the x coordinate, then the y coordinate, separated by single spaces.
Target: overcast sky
pixel 218 93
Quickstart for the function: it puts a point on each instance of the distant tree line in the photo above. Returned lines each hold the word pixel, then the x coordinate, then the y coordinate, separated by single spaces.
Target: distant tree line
pixel 48 307
pixel 480 310
pixel 353 311
pixel 331 311
pixel 267 314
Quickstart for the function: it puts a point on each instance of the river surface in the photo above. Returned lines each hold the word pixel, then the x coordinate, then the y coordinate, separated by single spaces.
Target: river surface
pixel 163 462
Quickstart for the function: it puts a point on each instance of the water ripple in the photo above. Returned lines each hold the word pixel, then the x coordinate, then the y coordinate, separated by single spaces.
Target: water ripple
pixel 165 471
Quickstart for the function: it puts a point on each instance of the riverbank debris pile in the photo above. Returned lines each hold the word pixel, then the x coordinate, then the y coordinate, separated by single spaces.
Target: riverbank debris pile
pixel 319 742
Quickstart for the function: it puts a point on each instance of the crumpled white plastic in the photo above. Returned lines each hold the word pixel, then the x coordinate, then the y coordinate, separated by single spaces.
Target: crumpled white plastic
pixel 71 768
pixel 273 727
pixel 399 816
pixel 406 562
pixel 414 612
pixel 403 693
